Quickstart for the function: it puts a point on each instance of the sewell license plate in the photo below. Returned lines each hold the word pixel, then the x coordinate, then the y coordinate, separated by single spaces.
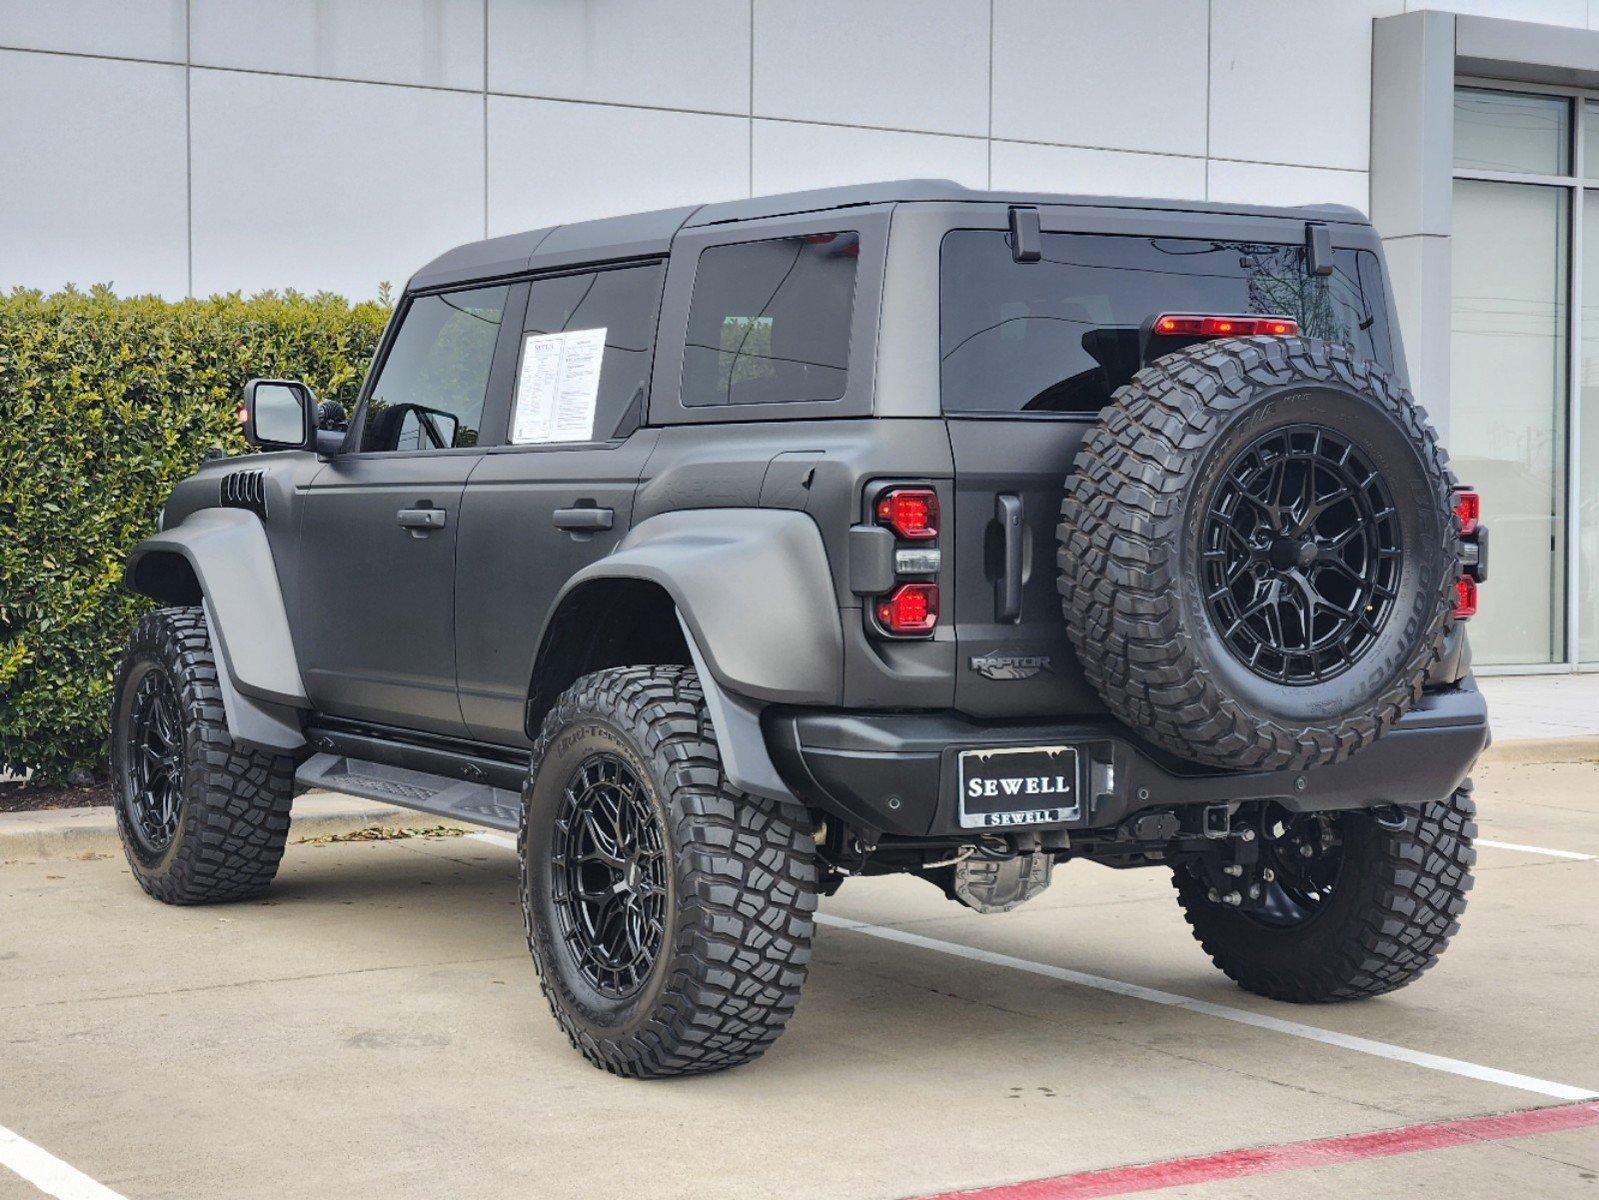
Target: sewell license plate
pixel 1030 785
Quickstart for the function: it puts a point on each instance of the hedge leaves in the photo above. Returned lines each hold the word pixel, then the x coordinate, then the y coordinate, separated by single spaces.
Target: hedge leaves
pixel 105 403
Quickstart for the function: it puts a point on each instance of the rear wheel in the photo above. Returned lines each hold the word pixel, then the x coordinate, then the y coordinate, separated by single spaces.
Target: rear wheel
pixel 1350 907
pixel 202 819
pixel 669 915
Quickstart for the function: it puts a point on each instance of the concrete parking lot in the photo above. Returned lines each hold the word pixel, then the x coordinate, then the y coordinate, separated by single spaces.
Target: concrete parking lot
pixel 374 1028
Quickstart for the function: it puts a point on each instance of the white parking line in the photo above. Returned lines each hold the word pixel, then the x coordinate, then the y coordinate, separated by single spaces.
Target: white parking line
pixel 1572 854
pixel 1417 1058
pixel 47 1172
pixel 1328 1037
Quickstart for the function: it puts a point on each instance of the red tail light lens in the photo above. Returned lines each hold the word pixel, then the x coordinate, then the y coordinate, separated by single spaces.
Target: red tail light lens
pixel 1465 597
pixel 912 513
pixel 1200 325
pixel 909 609
pixel 1468 511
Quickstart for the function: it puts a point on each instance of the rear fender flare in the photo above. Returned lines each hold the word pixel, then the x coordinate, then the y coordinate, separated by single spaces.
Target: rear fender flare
pixel 753 589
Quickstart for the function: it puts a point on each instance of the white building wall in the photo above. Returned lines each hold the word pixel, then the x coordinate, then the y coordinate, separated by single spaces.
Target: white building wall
pixel 195 146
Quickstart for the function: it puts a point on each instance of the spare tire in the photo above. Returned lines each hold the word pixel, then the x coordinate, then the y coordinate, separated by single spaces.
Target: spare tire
pixel 1258 552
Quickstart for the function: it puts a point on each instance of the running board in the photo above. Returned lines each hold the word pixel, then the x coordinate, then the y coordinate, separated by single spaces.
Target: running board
pixel 457 799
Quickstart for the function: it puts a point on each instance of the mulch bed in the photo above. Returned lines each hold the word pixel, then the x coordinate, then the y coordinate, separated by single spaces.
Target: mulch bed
pixel 21 797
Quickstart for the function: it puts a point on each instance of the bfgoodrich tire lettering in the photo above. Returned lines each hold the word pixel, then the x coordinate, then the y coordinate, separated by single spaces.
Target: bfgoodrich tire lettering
pixel 233 812
pixel 1131 554
pixel 740 885
pixel 1394 905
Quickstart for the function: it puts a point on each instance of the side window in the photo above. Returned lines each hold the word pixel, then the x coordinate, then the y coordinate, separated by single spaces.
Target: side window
pixel 769 321
pixel 429 392
pixel 587 342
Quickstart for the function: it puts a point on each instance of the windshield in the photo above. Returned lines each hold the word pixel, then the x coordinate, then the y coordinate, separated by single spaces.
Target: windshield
pixel 1060 335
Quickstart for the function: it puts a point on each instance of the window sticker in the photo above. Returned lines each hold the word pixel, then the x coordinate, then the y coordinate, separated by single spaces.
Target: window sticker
pixel 557 387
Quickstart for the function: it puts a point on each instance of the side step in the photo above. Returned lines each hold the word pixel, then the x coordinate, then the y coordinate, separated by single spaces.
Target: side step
pixel 457 799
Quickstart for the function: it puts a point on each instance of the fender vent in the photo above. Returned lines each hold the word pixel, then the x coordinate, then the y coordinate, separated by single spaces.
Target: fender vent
pixel 245 489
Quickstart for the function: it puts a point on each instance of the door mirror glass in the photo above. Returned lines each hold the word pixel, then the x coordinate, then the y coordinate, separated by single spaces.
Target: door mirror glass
pixel 277 414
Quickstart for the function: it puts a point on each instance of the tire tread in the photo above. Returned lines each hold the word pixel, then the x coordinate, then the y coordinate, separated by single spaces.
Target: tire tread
pixel 235 819
pixel 747 896
pixel 1411 892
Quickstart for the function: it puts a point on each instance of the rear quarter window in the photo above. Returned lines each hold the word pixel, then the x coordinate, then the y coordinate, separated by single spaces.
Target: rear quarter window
pixel 769 321
pixel 1062 334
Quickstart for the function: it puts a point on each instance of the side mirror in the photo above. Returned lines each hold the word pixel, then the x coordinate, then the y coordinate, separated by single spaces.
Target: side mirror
pixel 278 414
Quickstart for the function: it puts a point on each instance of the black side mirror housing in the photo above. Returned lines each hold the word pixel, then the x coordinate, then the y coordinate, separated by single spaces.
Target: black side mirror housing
pixel 282 414
pixel 285 415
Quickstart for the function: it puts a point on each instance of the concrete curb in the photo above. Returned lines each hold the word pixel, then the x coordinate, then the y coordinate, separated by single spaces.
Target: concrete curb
pixel 71 832
pixel 1542 750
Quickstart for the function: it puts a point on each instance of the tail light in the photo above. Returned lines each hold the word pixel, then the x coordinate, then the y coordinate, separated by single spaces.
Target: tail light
pixel 1473 551
pixel 1203 326
pixel 912 513
pixel 910 609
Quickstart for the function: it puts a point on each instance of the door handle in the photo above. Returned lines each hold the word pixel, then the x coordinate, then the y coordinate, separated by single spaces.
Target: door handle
pixel 420 520
pixel 1008 587
pixel 584 520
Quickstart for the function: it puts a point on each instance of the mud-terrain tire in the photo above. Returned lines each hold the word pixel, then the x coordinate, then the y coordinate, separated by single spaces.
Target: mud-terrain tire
pixel 729 878
pixel 1395 904
pixel 228 805
pixel 1150 574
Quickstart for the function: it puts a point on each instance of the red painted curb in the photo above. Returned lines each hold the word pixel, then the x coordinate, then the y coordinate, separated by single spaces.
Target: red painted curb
pixel 1291 1156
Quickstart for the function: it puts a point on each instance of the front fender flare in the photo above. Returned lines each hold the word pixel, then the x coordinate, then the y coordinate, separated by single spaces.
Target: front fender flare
pixel 754 589
pixel 227 550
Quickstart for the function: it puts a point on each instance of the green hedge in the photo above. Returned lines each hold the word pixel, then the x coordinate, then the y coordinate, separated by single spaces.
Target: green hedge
pixel 105 403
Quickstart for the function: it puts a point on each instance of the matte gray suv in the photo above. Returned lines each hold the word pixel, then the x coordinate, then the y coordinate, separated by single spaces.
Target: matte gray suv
pixel 728 552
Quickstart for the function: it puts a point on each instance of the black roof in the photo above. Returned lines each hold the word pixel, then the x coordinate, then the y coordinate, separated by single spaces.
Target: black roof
pixel 642 234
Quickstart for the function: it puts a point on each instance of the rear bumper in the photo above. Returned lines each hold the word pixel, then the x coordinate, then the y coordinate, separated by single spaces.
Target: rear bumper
pixel 896 772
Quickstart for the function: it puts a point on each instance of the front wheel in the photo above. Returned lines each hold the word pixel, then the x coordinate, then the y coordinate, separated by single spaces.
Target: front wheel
pixel 1353 908
pixel 202 819
pixel 669 915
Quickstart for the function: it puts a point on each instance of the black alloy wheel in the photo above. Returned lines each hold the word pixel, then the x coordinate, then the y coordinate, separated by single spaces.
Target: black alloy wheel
pixel 610 886
pixel 1301 555
pixel 154 756
pixel 1301 855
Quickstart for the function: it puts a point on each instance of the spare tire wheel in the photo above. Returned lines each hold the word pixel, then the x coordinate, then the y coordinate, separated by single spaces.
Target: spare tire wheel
pixel 1258 552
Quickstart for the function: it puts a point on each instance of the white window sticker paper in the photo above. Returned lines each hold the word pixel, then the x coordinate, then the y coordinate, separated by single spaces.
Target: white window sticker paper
pixel 558 386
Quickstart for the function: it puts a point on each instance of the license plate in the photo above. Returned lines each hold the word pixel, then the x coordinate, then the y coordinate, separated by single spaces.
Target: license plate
pixel 1028 785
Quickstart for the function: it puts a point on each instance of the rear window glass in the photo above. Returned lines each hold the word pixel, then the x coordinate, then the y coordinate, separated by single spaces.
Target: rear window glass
pixel 769 321
pixel 1062 334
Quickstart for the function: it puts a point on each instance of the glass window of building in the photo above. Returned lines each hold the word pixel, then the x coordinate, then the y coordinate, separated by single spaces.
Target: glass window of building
pixel 1524 364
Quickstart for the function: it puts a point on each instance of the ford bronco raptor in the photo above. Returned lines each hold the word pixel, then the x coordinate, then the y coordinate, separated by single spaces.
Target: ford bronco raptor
pixel 726 553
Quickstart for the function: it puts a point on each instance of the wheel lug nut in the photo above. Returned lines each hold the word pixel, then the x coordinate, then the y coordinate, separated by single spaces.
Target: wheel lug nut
pixel 1232 869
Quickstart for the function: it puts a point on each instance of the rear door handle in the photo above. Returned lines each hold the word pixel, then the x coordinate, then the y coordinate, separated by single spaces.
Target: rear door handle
pixel 584 519
pixel 420 520
pixel 1008 587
